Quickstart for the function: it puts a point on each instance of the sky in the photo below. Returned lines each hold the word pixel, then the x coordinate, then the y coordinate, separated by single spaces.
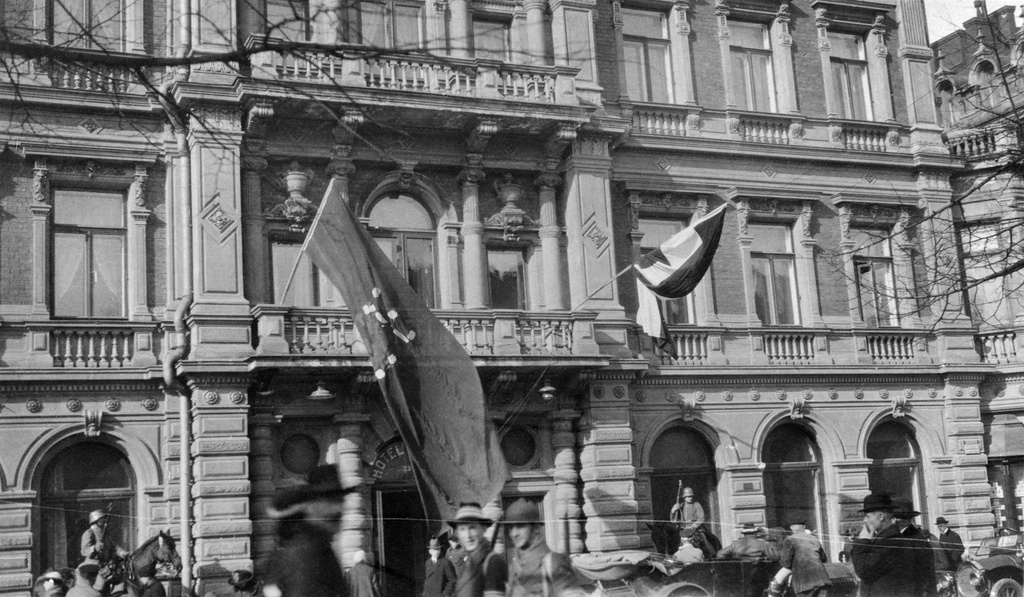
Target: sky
pixel 946 15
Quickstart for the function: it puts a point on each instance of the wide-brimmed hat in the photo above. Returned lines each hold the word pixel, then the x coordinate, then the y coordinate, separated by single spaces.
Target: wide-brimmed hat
pixel 523 511
pixel 877 502
pixel 323 484
pixel 470 512
pixel 434 543
pixel 750 529
pixel 54 576
pixel 242 580
pixel 941 520
pixel 903 508
pixel 96 515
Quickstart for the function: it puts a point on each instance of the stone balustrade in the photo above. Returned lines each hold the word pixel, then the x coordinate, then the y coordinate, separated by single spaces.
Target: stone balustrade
pixel 868 137
pixel 762 129
pixel 88 345
pixel 84 75
pixel 789 348
pixel 891 348
pixel 691 348
pixel 998 348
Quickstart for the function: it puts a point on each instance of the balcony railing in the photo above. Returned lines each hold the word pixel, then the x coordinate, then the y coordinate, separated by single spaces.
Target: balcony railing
pixel 868 137
pixel 891 349
pixel 92 345
pixel 83 75
pixel 691 348
pixel 997 348
pixel 789 348
pixel 330 332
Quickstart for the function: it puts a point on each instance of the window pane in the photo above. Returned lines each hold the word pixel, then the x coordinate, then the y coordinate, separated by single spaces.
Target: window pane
pixel 784 286
pixel 870 243
pixel 91 466
pixel 636 70
pixel 300 292
pixel 407 27
pixel 890 440
pixel 789 443
pixel 680 448
pixel 641 23
pixel 108 275
pixel 769 239
pixel 741 80
pixel 657 231
pixel 581 48
pixel 106 24
pixel 659 72
pixel 762 298
pixel 849 47
pixel 404 213
pixel 841 89
pixel 70 274
pixel 490 40
pixel 88 209
pixel 859 101
pixel 678 311
pixel 507 279
pixel 763 100
pixel 866 287
pixel 747 35
pixel 70 22
pixel 419 257
pixel 372 24
pixel 327 294
pixel 886 293
pixel 791 495
pixel 288 19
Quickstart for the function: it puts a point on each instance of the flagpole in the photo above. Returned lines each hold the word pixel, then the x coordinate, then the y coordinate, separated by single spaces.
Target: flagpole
pixel 602 287
pixel 291 276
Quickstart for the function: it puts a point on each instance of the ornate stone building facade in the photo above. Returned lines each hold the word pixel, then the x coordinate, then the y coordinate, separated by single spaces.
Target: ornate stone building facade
pixel 515 165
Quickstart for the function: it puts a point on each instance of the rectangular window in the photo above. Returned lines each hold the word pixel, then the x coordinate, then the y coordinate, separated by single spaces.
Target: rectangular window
pixel 987 249
pixel 506 273
pixel 774 272
pixel 753 84
pixel 392 25
pixel 89 254
pixel 95 24
pixel 581 43
pixel 876 285
pixel 491 40
pixel 308 288
pixel 288 19
pixel 414 257
pixel 677 311
pixel 646 48
pixel 850 77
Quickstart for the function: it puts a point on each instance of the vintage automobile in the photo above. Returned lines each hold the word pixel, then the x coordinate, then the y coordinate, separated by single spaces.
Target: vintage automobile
pixel 645 574
pixel 994 568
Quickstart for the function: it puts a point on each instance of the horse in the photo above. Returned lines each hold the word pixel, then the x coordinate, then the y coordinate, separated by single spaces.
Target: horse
pixel 665 536
pixel 129 574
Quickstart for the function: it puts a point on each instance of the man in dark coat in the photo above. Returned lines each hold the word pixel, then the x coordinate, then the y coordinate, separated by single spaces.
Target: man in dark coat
pixel 535 570
pixel 949 550
pixel 878 553
pixel 439 576
pixel 485 573
pixel 802 555
pixel 456 555
pixel 362 578
pixel 751 546
pixel 916 540
pixel 308 516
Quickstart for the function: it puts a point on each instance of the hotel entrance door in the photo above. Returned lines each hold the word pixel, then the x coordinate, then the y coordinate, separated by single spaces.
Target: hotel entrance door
pixel 402 539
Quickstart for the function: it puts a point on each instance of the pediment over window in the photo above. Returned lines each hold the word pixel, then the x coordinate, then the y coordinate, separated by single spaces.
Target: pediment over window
pixel 854 14
pixel 755 9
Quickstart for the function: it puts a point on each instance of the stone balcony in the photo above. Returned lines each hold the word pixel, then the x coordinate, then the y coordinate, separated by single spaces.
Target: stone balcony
pixel 999 347
pixel 73 344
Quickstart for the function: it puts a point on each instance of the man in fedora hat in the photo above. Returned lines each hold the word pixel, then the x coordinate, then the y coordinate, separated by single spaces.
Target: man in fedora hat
pixel 246 584
pixel 802 558
pixel 879 555
pixel 533 568
pixel 916 541
pixel 97 546
pixel 750 546
pixel 308 516
pixel 949 549
pixel 439 577
pixel 484 573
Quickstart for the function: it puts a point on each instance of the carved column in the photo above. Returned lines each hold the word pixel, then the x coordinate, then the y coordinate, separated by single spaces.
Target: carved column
pixel 437 37
pixel 550 239
pixel 341 166
pixel 138 309
pixel 744 239
pixel 916 63
pixel 821 21
pixel 878 69
pixel 682 61
pixel 535 29
pixel 354 521
pixel 806 269
pixel 782 61
pixel 846 248
pixel 474 259
pixel 41 208
pixel 461 28
pixel 617 26
pixel 254 241
pixel 724 37
pixel 567 506
pixel 902 261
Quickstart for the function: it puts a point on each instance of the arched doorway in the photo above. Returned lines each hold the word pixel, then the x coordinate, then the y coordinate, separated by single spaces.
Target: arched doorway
pixel 682 455
pixel 84 477
pixel 895 462
pixel 792 478
pixel 400 526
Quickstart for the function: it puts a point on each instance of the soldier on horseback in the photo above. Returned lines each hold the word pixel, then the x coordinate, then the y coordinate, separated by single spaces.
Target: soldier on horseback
pixel 97 547
pixel 689 515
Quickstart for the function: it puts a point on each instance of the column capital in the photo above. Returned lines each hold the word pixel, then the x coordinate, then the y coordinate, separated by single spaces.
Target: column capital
pixel 41 181
pixel 471 176
pixel 548 180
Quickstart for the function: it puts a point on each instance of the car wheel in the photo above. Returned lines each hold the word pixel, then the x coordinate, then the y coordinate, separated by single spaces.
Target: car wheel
pixel 1006 587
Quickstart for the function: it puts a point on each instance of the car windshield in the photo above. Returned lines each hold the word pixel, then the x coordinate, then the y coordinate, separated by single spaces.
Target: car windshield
pixel 1002 544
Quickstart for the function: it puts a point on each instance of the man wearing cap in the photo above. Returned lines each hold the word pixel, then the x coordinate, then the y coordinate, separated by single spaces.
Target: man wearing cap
pixel 916 541
pixel 308 516
pixel 90 581
pixel 949 551
pixel 439 577
pixel 51 584
pixel 878 553
pixel 97 547
pixel 802 558
pixel 750 546
pixel 484 573
pixel 533 568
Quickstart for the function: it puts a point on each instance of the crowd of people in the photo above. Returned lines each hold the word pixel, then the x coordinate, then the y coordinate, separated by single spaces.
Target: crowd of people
pixel 94 576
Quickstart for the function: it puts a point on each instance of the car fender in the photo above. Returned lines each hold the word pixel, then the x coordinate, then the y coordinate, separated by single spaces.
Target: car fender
pixel 997 561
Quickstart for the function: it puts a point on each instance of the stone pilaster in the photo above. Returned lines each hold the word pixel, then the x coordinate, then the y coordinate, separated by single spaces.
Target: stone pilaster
pixel 745 483
pixel 550 240
pixel 461 27
pixel 138 299
pixel 535 30
pixel 261 475
pixel 805 266
pixel 607 469
pixel 821 22
pixel 724 37
pixel 964 496
pixel 473 257
pixel 41 207
pixel 682 59
pixel 254 242
pixel 782 61
pixel 16 543
pixel 567 506
pixel 355 520
pixel 878 71
pixel 221 487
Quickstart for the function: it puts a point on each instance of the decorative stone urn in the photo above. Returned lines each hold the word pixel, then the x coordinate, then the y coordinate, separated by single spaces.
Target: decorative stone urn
pixel 297 208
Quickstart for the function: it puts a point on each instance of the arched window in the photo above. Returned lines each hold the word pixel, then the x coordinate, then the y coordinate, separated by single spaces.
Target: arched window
pixel 895 462
pixel 404 229
pixel 946 114
pixel 792 478
pixel 84 477
pixel 682 455
pixel 983 78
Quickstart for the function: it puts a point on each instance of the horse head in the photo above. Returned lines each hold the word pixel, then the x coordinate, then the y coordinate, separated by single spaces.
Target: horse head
pixel 156 551
pixel 665 536
pixel 166 553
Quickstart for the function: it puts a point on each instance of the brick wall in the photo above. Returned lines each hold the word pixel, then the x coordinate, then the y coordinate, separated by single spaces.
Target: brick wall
pixel 15 230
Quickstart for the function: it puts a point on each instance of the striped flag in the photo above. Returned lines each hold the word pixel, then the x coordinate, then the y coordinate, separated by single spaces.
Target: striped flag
pixel 673 270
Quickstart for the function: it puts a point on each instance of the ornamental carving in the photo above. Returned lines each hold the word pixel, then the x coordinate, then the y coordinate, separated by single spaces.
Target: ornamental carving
pixel 150 403
pixel 780 394
pixel 796 130
pixel 211 397
pixel 701 396
pixel 41 183
pixel 893 138
pixel 687 408
pixel 113 405
pixel 973 391
pixel 598 392
pixel 883 394
pixel 833 394
pixel 670 396
pixel 772 206
pixel 958 391
pixel 858 394
pixel 908 393
pixel 596 235
pixel 237 397
pixel 137 191
pixel 797 407
pixel 899 405
pixel 219 219
pixel 618 391
pixel 641 396
pixel 89 169
pixel 73 404
pixel 754 395
pixel 807 394
pixel 634 211
pixel 33 406
pixel 727 395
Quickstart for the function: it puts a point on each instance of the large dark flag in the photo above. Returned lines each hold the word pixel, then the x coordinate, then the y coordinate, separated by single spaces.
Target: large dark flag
pixel 673 270
pixel 429 383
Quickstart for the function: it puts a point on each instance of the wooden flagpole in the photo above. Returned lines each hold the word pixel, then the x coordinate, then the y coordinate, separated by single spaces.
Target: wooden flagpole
pixel 291 276
pixel 602 287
